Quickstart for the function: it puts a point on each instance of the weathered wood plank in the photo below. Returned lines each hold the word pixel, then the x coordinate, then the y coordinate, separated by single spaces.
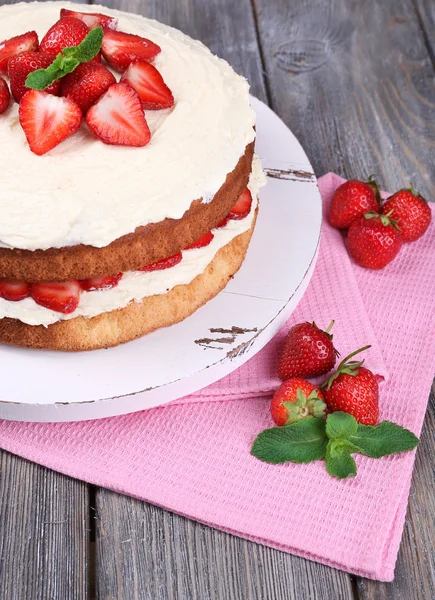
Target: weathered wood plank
pixel 142 551
pixel 146 553
pixel 43 533
pixel 425 10
pixel 357 92
pixel 415 571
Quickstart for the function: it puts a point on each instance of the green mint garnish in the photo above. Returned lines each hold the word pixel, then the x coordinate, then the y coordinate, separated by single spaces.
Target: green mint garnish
pixel 334 440
pixel 68 60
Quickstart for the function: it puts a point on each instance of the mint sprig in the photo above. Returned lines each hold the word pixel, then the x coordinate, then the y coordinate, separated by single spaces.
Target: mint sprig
pixel 68 60
pixel 334 440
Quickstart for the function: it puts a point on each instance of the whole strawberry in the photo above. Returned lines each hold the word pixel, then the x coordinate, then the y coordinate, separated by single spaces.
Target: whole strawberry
pixel 353 389
pixel 374 240
pixel 352 200
pixel 297 399
pixel 411 211
pixel 86 84
pixel 66 32
pixel 19 68
pixel 308 351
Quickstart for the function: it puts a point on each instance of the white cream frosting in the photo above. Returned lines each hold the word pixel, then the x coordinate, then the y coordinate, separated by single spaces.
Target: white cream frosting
pixel 136 285
pixel 87 192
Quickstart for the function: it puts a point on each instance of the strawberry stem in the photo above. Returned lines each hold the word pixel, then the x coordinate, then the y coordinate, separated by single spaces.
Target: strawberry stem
pixel 346 366
pixel 373 184
pixel 330 326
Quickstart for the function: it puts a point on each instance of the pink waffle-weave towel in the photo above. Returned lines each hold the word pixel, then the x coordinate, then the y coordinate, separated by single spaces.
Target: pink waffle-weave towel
pixel 192 456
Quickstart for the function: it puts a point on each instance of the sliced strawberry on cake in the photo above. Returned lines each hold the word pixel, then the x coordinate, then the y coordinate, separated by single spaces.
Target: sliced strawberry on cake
pixel 20 43
pixel 201 242
pixel 121 49
pixel 103 282
pixel 164 263
pixel 14 290
pixel 65 33
pixel 19 68
pixel 92 20
pixel 242 207
pixel 47 120
pixel 5 96
pixel 118 117
pixel 61 296
pixel 86 84
pixel 149 84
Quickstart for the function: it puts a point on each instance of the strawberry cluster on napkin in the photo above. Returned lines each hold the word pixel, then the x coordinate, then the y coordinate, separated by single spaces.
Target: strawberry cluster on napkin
pixel 193 457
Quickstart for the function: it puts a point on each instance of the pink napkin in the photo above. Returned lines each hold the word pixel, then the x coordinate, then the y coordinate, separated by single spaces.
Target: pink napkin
pixel 192 456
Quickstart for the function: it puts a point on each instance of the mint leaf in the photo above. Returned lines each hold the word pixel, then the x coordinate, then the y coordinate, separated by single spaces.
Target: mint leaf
pixel 341 425
pixel 67 61
pixel 383 439
pixel 339 462
pixel 300 442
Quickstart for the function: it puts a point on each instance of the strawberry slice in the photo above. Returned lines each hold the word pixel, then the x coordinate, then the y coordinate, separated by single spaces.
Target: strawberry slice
pixel 21 65
pixel 103 282
pixel 201 242
pixel 222 223
pixel 86 84
pixel 5 95
pixel 14 290
pixel 148 83
pixel 118 117
pixel 16 45
pixel 47 120
pixel 242 207
pixel 63 34
pixel 92 20
pixel 121 49
pixel 61 296
pixel 164 263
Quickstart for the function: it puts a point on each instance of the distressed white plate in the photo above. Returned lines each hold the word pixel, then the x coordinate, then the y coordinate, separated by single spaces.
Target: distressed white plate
pixel 38 385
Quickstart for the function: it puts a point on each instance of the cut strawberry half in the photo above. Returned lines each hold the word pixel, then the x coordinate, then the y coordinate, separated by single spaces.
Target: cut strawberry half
pixel 242 207
pixel 47 120
pixel 121 49
pixel 149 84
pixel 118 117
pixel 201 242
pixel 61 296
pixel 92 20
pixel 222 223
pixel 63 34
pixel 16 45
pixel 164 263
pixel 104 282
pixel 86 84
pixel 5 96
pixel 19 68
pixel 14 290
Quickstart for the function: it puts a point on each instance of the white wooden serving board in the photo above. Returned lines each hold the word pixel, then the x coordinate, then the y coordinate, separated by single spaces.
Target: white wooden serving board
pixel 39 385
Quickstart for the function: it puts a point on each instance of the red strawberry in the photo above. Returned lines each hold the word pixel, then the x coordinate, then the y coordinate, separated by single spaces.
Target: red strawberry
pixel 374 240
pixel 351 200
pixel 201 242
pixel 149 84
pixel 411 211
pixel 61 296
pixel 118 117
pixel 103 282
pixel 92 20
pixel 222 223
pixel 16 45
pixel 63 34
pixel 353 389
pixel 5 96
pixel 297 399
pixel 121 49
pixel 23 64
pixel 242 207
pixel 14 290
pixel 47 120
pixel 164 263
pixel 308 352
pixel 86 84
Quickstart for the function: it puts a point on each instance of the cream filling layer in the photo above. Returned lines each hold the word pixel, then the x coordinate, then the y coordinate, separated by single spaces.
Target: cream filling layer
pixel 84 191
pixel 136 285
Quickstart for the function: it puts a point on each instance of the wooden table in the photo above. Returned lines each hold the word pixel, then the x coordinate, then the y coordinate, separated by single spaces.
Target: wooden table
pixel 354 80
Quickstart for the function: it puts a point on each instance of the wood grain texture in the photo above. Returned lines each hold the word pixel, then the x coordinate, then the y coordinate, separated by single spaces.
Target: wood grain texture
pixel 354 88
pixel 146 553
pixel 415 570
pixel 43 533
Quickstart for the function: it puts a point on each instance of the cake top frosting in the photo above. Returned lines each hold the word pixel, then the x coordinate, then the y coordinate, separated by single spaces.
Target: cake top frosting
pixel 86 192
